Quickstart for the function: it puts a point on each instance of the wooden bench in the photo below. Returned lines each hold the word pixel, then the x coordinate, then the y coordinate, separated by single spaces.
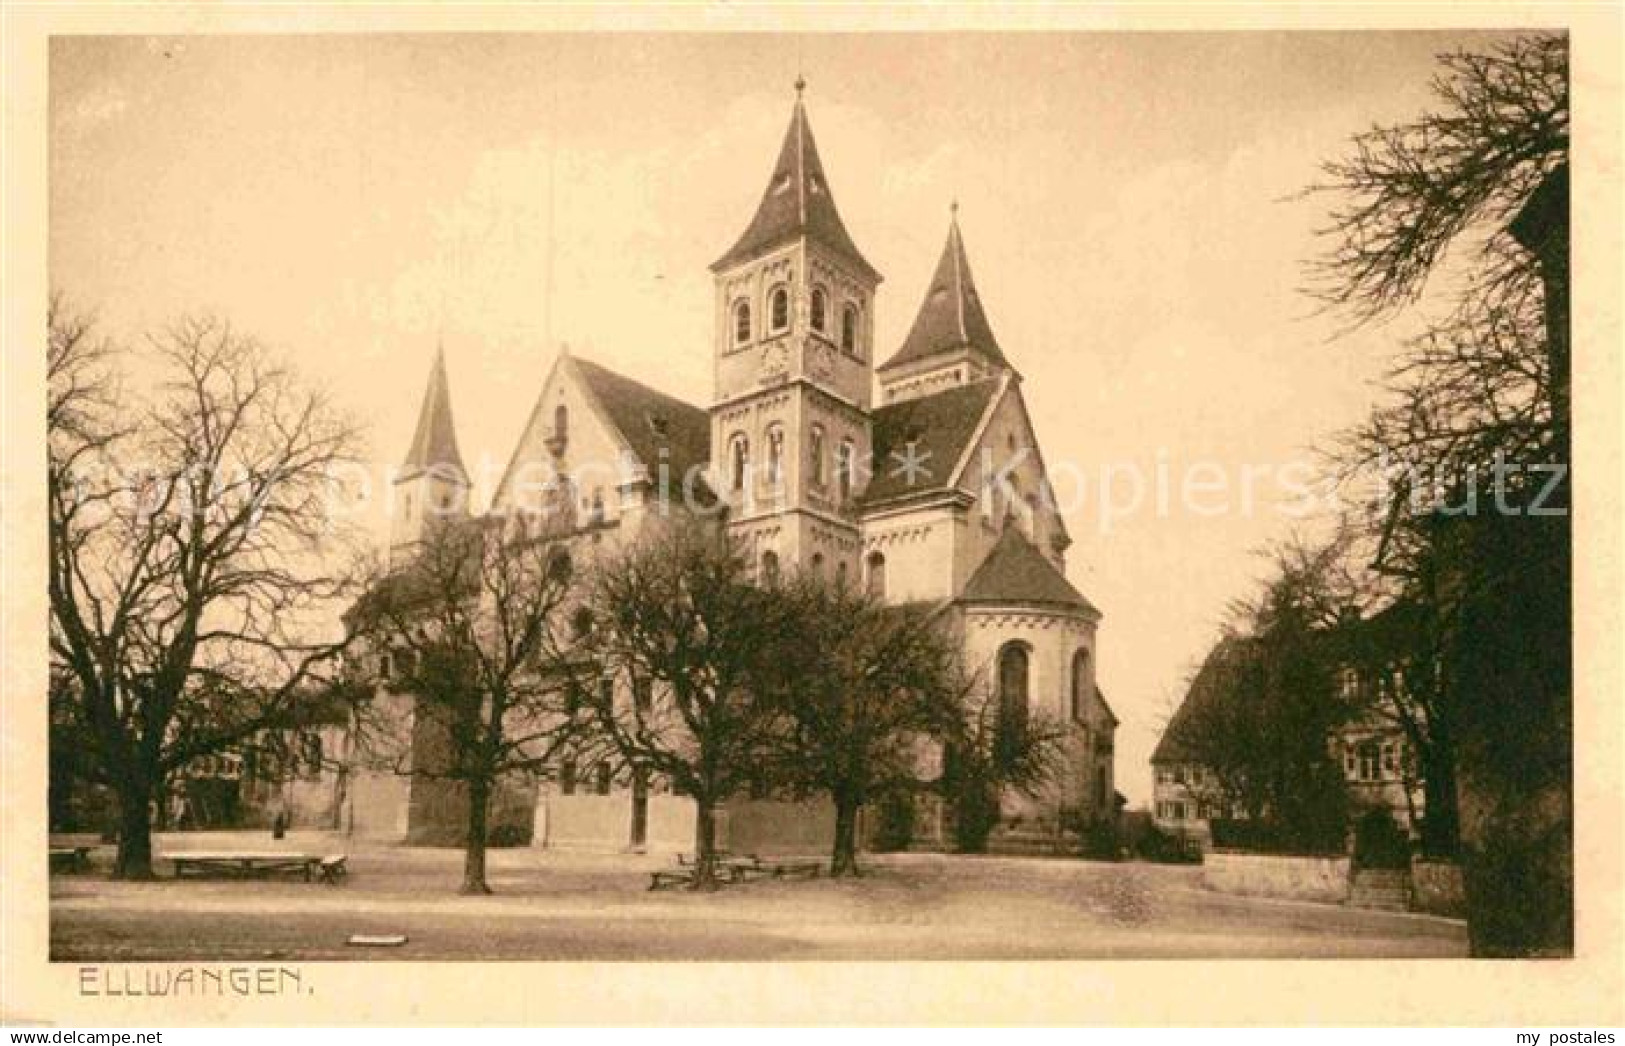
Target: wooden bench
pixel 249 865
pixel 334 869
pixel 804 868
pixel 659 880
pixel 70 858
pixel 736 868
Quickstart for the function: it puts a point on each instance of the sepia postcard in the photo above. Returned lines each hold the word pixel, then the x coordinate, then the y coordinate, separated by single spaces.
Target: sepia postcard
pixel 798 514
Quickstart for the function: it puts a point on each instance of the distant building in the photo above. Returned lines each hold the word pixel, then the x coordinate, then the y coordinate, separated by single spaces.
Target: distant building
pixel 1379 768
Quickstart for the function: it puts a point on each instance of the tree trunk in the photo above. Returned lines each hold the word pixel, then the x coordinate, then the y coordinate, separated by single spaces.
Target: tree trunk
pixel 1513 678
pixel 844 859
pixel 479 802
pixel 975 815
pixel 134 859
pixel 1441 827
pixel 705 844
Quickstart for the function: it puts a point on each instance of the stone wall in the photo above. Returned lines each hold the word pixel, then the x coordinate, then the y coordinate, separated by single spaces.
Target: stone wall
pixel 778 827
pixel 1293 878
pixel 1436 888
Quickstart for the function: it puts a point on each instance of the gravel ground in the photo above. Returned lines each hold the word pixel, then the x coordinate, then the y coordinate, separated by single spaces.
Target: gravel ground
pixel 554 905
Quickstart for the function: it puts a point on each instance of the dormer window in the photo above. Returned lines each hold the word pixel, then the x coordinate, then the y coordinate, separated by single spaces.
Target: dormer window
pixel 741 322
pixel 779 309
pixel 561 430
pixel 849 329
pixel 820 309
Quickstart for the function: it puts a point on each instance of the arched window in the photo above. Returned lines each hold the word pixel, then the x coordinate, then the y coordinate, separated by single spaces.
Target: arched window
pixel 561 423
pixel 817 563
pixel 840 574
pixel 877 575
pixel 845 458
pixel 779 308
pixel 1012 722
pixel 815 456
pixel 595 513
pixel 849 329
pixel 775 456
pixel 1080 686
pixel 820 309
pixel 739 461
pixel 741 322
pixel 770 568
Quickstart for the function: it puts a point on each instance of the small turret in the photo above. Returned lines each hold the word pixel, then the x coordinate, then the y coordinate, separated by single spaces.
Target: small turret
pixel 432 485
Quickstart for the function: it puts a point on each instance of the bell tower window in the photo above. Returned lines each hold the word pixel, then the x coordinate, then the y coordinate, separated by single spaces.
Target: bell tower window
pixel 819 309
pixel 739 461
pixel 741 322
pixel 815 456
pixel 775 456
pixel 849 329
pixel 779 309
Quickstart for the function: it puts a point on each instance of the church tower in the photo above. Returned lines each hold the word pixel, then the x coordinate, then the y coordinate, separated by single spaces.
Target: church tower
pixel 790 427
pixel 951 342
pixel 432 485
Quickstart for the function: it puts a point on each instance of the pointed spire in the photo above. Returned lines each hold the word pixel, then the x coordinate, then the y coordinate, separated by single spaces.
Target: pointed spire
pixel 798 201
pixel 435 441
pixel 951 317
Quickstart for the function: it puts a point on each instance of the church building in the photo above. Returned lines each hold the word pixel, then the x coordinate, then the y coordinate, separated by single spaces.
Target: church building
pixel 915 473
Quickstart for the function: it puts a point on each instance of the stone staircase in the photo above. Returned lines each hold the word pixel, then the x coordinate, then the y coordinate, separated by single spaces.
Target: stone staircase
pixel 1382 889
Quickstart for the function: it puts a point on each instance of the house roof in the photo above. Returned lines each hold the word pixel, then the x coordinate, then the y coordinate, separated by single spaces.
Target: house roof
pixel 1207 690
pixel 798 202
pixel 660 429
pixel 940 426
pixel 951 316
pixel 1016 572
pixel 434 443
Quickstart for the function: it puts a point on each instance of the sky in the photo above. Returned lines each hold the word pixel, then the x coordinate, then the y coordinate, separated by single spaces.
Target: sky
pixel 1129 201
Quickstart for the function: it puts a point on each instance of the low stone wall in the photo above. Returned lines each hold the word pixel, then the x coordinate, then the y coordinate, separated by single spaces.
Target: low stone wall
pixel 773 826
pixel 1272 875
pixel 1437 888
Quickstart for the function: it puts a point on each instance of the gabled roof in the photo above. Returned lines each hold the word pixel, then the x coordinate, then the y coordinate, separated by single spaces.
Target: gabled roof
pixel 1100 695
pixel 797 203
pixel 940 426
pixel 660 429
pixel 435 441
pixel 1016 572
pixel 951 316
pixel 1207 690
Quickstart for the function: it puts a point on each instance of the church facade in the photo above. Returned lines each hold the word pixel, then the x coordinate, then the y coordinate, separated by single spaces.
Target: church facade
pixel 917 475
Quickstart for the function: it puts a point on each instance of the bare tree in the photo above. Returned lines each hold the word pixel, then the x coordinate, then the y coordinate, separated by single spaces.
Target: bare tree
pixel 869 687
pixel 994 748
pixel 190 548
pixel 1267 700
pixel 680 623
pixel 1475 527
pixel 474 624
